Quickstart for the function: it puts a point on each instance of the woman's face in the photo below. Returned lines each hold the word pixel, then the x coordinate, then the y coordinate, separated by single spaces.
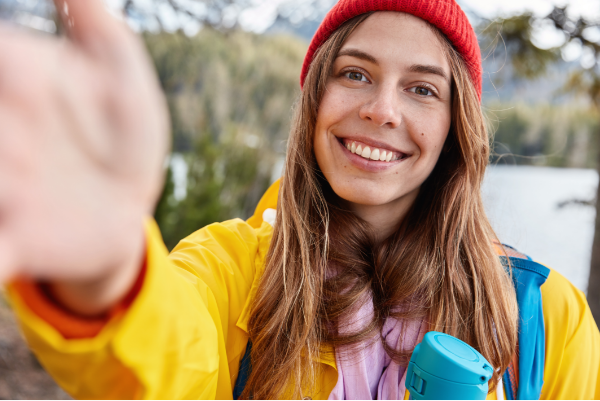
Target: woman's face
pixel 385 115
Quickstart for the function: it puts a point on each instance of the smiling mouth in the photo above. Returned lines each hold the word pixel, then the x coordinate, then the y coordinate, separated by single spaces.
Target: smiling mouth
pixel 370 152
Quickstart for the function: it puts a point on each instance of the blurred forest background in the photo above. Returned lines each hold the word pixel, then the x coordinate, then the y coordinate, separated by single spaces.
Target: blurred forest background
pixel 230 97
pixel 231 91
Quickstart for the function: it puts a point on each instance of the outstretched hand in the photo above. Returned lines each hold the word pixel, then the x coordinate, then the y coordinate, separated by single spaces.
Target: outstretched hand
pixel 83 138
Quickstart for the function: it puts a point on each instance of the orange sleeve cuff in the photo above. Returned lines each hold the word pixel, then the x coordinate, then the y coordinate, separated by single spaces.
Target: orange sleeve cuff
pixel 71 325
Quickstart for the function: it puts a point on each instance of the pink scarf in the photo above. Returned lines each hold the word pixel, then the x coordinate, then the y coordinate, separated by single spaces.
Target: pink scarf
pixel 367 372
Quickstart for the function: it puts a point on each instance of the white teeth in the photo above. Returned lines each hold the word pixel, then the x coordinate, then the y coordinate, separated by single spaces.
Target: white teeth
pixel 366 153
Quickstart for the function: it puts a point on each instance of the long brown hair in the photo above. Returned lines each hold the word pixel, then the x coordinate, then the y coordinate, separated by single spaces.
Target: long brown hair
pixel 440 265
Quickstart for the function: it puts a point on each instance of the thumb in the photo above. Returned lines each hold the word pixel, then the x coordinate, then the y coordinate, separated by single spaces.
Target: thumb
pixel 89 24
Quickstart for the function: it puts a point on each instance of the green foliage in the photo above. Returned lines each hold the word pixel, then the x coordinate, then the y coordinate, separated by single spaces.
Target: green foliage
pixel 514 36
pixel 213 80
pixel 586 83
pixel 220 183
pixel 529 61
pixel 230 98
pixel 544 135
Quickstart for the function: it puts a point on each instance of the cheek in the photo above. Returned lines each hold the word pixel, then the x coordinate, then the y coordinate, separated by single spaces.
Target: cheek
pixel 430 135
pixel 334 107
pixel 320 144
pixel 320 148
pixel 431 142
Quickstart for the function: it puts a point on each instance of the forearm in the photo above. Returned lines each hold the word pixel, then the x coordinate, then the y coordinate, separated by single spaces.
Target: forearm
pixel 132 354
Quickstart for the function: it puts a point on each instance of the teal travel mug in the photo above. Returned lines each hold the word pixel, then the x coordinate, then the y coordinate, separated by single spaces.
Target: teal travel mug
pixel 443 367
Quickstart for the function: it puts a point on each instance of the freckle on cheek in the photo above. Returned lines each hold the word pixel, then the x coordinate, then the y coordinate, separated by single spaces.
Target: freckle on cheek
pixel 422 134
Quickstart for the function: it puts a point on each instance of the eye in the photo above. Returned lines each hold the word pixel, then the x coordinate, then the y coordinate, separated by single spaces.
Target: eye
pixel 356 76
pixel 421 90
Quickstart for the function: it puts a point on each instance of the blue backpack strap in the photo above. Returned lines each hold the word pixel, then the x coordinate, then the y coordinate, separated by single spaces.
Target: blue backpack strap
pixel 243 373
pixel 528 276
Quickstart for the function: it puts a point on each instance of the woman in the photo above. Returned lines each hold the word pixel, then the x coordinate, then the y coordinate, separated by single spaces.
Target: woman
pixel 375 235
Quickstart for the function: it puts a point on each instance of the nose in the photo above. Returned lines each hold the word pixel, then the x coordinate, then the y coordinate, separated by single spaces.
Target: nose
pixel 383 109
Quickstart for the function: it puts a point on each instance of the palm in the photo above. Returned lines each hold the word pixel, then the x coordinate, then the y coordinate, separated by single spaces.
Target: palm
pixel 83 134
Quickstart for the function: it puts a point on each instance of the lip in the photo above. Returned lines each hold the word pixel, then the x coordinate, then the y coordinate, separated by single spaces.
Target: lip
pixel 373 166
pixel 372 143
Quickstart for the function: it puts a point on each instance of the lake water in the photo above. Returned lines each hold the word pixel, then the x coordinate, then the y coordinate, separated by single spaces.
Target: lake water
pixel 522 204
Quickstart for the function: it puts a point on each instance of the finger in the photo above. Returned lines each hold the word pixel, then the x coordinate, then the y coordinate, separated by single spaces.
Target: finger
pixel 89 24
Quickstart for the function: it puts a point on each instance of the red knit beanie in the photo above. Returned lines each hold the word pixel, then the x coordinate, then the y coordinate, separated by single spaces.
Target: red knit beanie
pixel 446 15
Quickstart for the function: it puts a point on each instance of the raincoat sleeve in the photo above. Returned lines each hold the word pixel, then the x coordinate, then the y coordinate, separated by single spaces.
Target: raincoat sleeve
pixel 179 338
pixel 572 362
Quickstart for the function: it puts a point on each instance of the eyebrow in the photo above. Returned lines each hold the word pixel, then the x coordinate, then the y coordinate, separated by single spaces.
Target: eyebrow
pixel 429 69
pixel 358 54
pixel 418 68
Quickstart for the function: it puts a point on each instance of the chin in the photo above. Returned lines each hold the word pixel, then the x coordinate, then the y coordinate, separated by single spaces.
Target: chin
pixel 368 195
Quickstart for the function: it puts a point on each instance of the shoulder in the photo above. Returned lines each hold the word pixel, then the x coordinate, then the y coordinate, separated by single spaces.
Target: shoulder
pixel 571 340
pixel 232 245
pixel 562 300
pixel 230 232
pixel 230 256
pixel 268 201
pixel 558 294
pixel 226 261
pixel 564 307
pixel 566 312
pixel 572 359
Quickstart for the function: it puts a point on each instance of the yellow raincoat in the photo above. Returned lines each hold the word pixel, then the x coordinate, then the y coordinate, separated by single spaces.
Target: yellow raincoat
pixel 185 333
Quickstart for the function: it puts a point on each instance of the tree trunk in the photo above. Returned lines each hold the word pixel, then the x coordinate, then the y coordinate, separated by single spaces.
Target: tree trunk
pixel 593 291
